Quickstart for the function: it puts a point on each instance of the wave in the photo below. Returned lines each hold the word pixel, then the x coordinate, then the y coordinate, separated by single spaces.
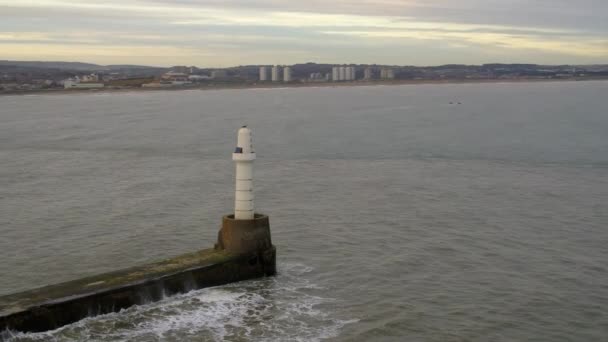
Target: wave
pixel 284 307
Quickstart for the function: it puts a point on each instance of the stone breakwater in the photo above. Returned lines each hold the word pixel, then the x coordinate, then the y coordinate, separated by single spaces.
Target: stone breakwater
pixel 244 251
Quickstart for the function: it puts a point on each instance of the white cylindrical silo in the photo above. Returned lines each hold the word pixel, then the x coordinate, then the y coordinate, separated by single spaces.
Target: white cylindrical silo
pixel 342 73
pixel 244 156
pixel 335 74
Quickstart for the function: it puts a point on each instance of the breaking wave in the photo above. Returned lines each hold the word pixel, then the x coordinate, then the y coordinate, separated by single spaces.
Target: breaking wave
pixel 285 307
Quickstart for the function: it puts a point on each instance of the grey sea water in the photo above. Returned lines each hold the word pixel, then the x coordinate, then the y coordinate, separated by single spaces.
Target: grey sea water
pixel 397 215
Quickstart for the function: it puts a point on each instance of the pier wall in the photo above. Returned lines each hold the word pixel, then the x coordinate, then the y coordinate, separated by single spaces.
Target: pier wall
pixel 53 306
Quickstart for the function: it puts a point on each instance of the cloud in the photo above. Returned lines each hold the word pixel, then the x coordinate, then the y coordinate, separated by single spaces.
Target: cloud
pixel 573 47
pixel 271 31
pixel 580 14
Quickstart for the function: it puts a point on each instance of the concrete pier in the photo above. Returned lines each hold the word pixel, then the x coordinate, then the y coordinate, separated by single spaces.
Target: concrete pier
pixel 53 306
pixel 243 251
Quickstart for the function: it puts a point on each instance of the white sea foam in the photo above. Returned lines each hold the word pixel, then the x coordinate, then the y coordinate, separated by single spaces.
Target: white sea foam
pixel 279 308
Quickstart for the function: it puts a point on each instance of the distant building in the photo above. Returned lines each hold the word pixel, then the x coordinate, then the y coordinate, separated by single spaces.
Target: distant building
pixel 275 73
pixel 341 73
pixel 181 69
pixel 335 74
pixel 350 73
pixel 74 83
pixel 89 78
pixel 111 77
pixel 173 79
pixel 173 76
pixel 263 74
pixel 319 77
pixel 387 74
pixel 218 74
pixel 198 78
pixel 316 76
pixel 9 86
pixel 287 74
pixel 367 74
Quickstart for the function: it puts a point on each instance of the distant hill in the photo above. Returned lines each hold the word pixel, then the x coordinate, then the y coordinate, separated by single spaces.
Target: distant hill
pixel 53 65
pixel 72 65
pixel 128 66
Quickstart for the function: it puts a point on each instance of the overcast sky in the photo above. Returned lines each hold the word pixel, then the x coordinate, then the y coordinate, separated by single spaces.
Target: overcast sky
pixel 215 33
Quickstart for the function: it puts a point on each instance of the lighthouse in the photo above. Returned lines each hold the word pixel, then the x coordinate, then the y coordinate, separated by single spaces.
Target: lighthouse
pixel 246 232
pixel 244 156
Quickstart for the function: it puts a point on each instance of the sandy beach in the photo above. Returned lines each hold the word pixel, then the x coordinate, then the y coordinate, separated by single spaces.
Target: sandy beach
pixel 224 86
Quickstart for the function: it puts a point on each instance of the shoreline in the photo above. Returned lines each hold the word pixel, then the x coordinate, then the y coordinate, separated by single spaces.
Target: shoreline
pixel 290 85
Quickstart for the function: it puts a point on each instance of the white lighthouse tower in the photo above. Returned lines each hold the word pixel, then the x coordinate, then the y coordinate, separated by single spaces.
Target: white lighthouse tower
pixel 246 232
pixel 244 156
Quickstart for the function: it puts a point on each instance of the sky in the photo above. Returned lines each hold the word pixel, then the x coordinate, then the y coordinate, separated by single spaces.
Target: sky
pixel 220 33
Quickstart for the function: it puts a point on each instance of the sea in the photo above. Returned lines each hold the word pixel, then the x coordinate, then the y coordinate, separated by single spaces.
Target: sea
pixel 431 212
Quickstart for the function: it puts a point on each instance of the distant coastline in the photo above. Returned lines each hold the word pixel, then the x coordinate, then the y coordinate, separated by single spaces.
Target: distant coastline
pixel 225 86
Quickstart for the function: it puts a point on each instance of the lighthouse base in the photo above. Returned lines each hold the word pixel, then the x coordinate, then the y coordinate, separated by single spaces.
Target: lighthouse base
pixel 247 237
